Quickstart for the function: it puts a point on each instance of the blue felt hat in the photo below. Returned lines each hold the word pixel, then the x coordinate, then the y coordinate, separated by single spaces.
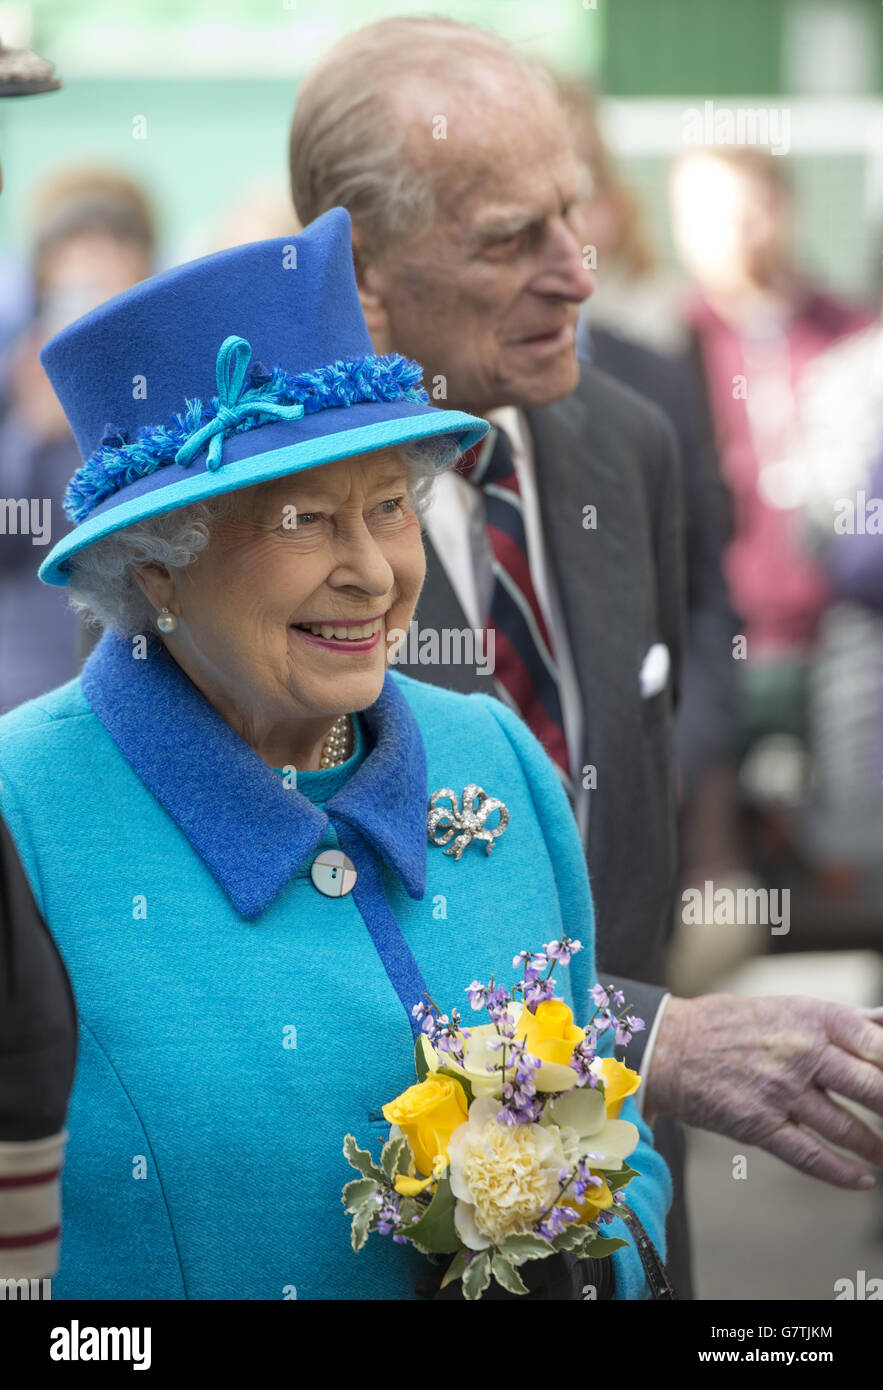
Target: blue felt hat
pixel 176 364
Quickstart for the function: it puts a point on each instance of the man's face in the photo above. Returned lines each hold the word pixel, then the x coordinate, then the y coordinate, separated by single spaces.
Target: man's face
pixel 488 299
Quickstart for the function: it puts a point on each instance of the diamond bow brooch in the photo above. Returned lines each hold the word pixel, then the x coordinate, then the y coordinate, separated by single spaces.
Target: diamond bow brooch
pixel 445 822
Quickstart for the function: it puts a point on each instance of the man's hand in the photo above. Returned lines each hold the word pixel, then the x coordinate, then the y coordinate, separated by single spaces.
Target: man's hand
pixel 760 1069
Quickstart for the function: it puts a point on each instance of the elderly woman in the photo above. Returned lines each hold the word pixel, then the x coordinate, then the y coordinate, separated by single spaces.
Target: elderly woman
pixel 224 820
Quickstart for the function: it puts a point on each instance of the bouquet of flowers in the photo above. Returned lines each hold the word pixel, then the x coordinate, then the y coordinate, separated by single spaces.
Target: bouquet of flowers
pixel 509 1147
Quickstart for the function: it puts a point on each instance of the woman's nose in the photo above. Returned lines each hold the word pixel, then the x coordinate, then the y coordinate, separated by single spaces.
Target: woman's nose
pixel 362 563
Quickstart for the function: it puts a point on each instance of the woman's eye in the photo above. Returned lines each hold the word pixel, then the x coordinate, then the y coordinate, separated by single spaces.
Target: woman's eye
pixel 307 518
pixel 390 506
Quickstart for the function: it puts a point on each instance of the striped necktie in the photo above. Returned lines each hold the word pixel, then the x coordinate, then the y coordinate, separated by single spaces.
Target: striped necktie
pixel 525 673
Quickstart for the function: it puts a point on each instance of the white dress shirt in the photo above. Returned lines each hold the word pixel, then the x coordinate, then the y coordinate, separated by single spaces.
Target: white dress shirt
pixel 455 523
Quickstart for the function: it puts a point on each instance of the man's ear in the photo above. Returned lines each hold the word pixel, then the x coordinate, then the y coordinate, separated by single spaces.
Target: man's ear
pixel 370 283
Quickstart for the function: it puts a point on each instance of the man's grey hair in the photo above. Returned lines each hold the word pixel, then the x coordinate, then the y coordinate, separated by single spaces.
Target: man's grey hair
pixel 103 587
pixel 350 135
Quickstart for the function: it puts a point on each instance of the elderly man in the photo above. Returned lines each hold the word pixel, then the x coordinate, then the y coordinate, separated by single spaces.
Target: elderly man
pixel 565 540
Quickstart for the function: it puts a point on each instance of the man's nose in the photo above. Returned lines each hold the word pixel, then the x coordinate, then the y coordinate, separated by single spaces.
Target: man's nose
pixel 566 269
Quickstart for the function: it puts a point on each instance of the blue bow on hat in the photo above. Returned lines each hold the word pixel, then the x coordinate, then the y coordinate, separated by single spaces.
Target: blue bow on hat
pixel 233 408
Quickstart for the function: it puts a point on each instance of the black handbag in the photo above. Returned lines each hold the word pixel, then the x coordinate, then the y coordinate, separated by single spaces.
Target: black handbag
pixel 563 1277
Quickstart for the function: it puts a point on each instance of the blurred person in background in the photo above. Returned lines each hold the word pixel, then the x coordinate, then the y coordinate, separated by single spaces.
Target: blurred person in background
pixel 257 211
pixel 38 1025
pixel 836 469
pixel 758 324
pixel 94 238
pixel 635 296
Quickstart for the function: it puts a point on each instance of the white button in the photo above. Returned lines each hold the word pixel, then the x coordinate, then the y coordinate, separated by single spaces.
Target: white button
pixel 333 873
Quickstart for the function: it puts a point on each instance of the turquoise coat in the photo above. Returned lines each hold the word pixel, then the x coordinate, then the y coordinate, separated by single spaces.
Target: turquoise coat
pixel 234 1022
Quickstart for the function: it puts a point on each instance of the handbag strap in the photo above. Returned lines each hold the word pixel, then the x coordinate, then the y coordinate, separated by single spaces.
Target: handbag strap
pixel 661 1287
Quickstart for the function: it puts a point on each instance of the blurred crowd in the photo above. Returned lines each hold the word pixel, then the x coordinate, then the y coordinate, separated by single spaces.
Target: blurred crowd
pixel 774 387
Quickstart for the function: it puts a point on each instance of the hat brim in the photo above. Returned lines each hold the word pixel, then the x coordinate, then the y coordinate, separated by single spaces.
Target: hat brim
pixel 243 466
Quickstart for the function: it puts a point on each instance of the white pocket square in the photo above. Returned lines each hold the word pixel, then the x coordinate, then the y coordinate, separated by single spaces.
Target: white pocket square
pixel 654 670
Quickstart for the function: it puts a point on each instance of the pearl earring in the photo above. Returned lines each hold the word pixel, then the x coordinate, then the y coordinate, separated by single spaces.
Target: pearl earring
pixel 167 622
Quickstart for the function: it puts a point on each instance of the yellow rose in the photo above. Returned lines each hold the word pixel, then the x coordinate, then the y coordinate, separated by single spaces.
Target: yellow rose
pixel 550 1033
pixel 619 1082
pixel 427 1114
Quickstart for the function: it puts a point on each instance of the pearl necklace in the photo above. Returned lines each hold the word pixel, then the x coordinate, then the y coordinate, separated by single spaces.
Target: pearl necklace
pixel 336 748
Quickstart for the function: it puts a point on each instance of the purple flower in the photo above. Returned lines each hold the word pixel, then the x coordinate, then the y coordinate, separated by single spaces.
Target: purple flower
pixel 476 993
pixel 389 1215
pixel 555 1221
pixel 562 950
pixel 603 1021
pixel 581 1062
pixel 600 996
pixel 626 1027
pixel 537 991
pixel 507 1117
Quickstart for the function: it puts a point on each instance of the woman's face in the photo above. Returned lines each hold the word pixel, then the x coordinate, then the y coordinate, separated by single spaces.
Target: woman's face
pixel 285 613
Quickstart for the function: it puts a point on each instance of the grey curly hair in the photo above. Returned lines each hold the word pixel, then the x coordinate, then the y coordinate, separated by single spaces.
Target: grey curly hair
pixel 103 587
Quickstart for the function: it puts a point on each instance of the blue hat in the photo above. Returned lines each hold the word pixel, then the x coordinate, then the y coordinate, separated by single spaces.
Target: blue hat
pixel 176 364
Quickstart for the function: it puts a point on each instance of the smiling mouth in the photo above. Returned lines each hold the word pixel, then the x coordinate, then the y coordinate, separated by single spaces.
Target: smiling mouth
pixel 562 333
pixel 342 632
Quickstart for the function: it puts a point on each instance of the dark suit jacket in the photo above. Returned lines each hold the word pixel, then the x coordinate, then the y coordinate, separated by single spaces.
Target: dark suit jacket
pixel 707 714
pixel 622 590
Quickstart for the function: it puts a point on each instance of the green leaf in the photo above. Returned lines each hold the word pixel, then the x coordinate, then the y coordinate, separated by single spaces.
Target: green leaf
pixel 395 1157
pixel 423 1057
pixel 407 1211
pixel 477 1275
pixel 619 1179
pixel 597 1247
pixel 571 1238
pixel 360 1159
pixel 517 1249
pixel 466 1084
pixel 455 1268
pixel 362 1224
pixel 507 1275
pixel 358 1191
pixel 435 1232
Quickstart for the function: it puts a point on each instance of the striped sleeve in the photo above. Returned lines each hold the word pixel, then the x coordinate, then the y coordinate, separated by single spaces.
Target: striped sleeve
pixel 30 1206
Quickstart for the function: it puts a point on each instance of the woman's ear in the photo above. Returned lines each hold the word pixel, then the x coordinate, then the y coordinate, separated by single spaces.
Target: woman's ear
pixel 370 283
pixel 156 582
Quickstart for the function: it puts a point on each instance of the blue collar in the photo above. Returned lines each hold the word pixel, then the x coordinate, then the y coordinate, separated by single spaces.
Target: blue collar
pixel 252 832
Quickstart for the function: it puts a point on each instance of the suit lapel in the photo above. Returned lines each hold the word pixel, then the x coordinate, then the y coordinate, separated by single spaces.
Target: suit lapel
pixel 565 484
